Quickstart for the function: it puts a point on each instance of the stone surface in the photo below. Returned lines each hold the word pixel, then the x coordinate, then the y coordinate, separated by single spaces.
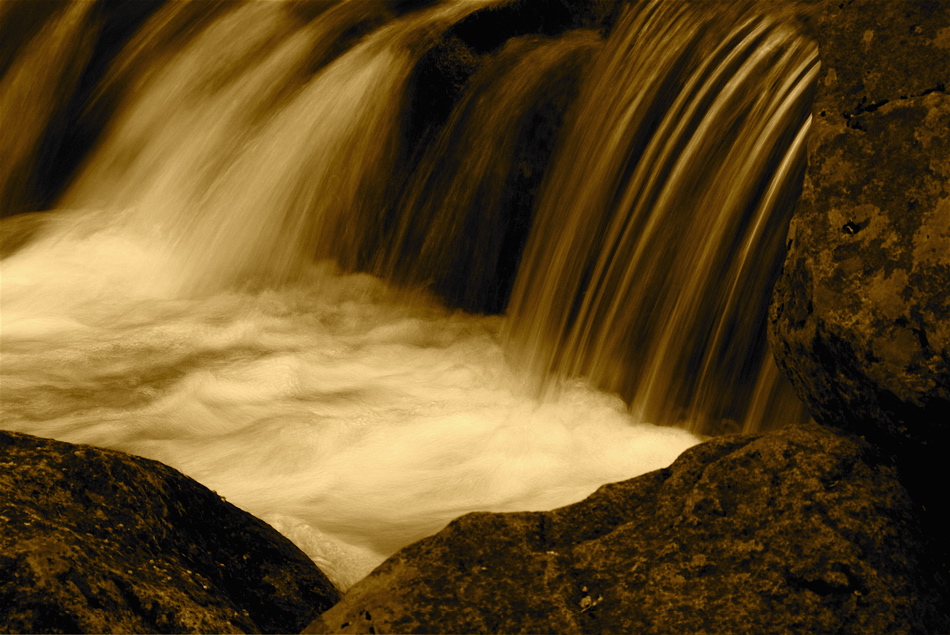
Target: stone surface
pixel 99 541
pixel 860 319
pixel 798 531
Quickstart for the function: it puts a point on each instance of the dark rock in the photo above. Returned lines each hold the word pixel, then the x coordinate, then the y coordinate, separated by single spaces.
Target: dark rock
pixel 458 52
pixel 99 541
pixel 802 530
pixel 455 54
pixel 859 319
pixel 486 30
pixel 448 80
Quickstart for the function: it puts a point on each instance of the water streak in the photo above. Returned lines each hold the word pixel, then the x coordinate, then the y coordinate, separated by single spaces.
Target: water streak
pixel 195 297
pixel 460 228
pixel 655 227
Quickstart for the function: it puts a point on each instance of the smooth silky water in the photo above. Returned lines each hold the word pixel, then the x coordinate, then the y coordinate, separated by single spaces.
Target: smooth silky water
pixel 237 284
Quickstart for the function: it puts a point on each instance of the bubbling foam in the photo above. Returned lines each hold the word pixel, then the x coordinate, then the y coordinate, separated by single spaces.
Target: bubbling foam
pixel 353 417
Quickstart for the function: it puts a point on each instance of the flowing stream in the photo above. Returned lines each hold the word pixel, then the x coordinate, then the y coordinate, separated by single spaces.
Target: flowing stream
pixel 268 275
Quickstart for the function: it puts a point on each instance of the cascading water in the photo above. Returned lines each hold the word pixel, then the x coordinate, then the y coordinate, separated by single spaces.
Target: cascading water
pixel 651 257
pixel 457 228
pixel 195 297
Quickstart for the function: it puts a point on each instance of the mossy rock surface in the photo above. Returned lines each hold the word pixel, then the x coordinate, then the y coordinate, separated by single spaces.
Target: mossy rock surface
pixel 95 541
pixel 860 319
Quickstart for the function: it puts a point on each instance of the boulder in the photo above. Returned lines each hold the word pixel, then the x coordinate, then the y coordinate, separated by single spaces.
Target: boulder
pixel 102 542
pixel 860 319
pixel 803 530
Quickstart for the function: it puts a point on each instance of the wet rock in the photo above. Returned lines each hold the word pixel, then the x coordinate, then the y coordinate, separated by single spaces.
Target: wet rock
pixel 860 319
pixel 98 541
pixel 487 29
pixel 798 531
pixel 463 67
pixel 464 216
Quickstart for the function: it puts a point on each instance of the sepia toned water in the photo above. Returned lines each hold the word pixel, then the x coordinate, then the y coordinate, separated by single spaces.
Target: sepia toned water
pixel 242 282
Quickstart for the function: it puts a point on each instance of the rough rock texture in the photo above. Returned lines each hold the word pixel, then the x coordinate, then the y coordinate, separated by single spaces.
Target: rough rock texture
pixel 798 531
pixel 99 541
pixel 860 319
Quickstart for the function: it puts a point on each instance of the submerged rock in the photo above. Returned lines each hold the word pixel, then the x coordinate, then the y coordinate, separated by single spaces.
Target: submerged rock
pixel 99 541
pixel 797 531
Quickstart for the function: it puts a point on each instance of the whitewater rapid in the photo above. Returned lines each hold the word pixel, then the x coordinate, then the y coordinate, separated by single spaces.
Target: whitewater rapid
pixel 353 417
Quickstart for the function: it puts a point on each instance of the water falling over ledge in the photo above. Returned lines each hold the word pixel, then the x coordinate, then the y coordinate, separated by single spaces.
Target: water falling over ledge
pixel 254 275
pixel 654 230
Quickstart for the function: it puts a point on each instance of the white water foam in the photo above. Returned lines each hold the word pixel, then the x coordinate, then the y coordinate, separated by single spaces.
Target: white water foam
pixel 176 313
pixel 353 418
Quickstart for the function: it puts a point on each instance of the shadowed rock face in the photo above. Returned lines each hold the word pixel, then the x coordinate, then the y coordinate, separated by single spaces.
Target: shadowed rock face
pixel 100 542
pixel 860 319
pixel 798 531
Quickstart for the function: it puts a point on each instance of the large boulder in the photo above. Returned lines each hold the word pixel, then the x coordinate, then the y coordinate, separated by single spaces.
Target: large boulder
pixel 102 542
pixel 860 319
pixel 797 531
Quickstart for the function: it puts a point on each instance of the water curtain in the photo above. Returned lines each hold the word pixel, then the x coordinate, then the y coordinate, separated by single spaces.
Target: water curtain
pixel 362 267
pixel 654 247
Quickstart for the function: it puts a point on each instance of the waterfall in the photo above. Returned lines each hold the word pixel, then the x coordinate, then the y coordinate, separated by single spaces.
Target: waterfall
pixel 35 77
pixel 360 294
pixel 457 230
pixel 656 226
